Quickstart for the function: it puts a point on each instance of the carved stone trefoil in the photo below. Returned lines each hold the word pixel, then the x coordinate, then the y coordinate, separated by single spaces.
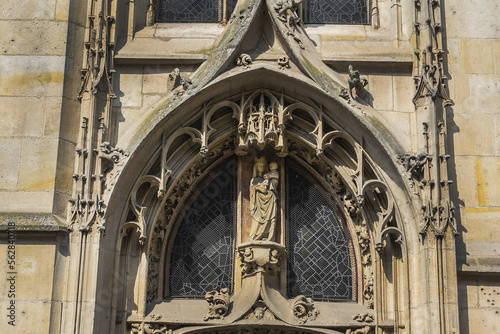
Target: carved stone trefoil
pixel 304 310
pixel 218 304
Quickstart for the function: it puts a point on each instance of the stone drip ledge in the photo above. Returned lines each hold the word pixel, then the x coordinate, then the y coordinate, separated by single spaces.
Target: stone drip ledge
pixel 31 222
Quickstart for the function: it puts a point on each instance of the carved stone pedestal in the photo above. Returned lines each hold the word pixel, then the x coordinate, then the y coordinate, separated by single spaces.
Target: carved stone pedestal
pixel 260 256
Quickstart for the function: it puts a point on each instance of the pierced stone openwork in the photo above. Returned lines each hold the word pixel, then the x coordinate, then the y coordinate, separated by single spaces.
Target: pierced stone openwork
pixel 322 213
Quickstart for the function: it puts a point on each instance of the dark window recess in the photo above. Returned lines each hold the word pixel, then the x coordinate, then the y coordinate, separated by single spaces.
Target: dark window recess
pixel 192 11
pixel 202 256
pixel 319 262
pixel 338 11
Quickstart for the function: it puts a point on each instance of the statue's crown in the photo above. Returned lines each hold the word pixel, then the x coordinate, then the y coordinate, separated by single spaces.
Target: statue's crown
pixel 261 159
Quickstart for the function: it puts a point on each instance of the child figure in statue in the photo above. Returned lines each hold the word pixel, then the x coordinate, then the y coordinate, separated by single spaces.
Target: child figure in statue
pixel 272 176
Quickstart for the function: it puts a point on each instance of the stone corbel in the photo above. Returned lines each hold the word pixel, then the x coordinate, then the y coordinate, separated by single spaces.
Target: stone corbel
pixel 260 256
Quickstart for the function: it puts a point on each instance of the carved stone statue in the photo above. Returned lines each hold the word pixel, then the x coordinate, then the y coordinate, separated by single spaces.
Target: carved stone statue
pixel 263 199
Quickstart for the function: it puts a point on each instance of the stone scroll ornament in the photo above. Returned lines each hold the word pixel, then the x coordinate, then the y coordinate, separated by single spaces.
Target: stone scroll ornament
pixel 263 199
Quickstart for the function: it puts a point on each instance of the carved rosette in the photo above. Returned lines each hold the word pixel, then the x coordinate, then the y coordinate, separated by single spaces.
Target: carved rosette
pixel 303 309
pixel 218 304
pixel 260 256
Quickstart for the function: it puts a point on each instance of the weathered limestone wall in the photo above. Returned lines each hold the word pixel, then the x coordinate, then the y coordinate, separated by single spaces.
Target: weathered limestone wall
pixel 473 39
pixel 32 63
pixel 36 155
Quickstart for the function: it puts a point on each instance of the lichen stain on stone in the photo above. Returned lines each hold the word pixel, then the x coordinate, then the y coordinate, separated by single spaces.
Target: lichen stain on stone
pixel 39 185
pixel 482 199
pixel 30 84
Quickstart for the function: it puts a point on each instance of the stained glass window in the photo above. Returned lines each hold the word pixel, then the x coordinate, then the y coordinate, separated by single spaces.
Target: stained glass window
pixel 337 11
pixel 185 11
pixel 202 255
pixel 319 261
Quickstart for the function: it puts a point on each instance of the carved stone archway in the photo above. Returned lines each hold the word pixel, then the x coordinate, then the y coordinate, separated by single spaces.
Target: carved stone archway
pixel 305 132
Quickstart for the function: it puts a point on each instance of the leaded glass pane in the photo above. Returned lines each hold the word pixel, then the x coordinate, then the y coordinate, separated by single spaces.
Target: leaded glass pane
pixel 319 262
pixel 202 256
pixel 185 11
pixel 189 11
pixel 338 11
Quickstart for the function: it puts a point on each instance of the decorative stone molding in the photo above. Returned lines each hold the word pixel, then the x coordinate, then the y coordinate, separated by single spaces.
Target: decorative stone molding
pixel 260 256
pixel 304 310
pixel 218 304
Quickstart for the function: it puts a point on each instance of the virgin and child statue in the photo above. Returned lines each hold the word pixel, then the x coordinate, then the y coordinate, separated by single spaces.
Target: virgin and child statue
pixel 263 199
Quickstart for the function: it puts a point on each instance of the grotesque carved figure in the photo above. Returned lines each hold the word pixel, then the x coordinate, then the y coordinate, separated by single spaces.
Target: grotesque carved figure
pixel 218 304
pixel 356 82
pixel 263 199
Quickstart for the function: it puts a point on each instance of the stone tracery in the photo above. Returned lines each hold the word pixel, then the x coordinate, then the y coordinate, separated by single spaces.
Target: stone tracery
pixel 304 148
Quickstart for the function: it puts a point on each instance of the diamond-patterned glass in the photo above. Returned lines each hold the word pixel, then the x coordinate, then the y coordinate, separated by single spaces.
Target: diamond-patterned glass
pixel 319 261
pixel 193 10
pixel 338 11
pixel 202 256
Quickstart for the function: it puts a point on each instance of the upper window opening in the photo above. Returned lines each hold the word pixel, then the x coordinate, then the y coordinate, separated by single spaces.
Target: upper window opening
pixel 193 11
pixel 337 11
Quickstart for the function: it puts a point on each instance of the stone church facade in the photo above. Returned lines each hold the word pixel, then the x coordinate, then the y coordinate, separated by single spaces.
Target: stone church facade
pixel 250 166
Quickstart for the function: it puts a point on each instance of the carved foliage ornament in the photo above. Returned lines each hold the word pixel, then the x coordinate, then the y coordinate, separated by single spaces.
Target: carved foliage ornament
pixel 303 309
